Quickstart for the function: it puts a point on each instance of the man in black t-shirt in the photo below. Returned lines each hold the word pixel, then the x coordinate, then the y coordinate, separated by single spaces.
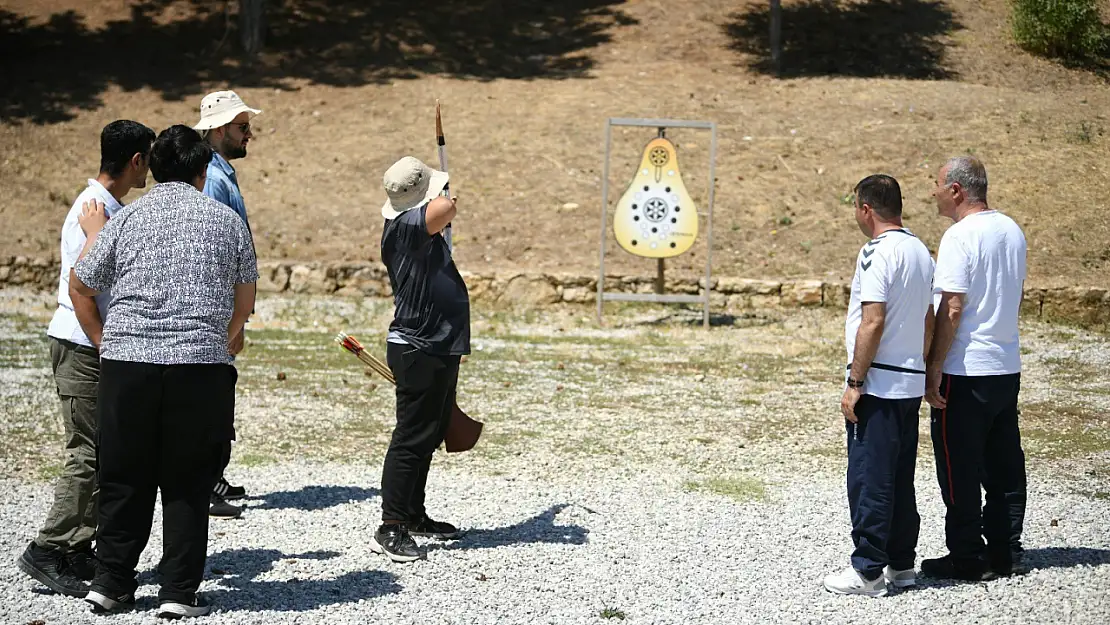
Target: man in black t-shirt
pixel 429 333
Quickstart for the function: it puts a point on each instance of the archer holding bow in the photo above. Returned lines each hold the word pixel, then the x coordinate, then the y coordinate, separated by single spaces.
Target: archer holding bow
pixel 429 333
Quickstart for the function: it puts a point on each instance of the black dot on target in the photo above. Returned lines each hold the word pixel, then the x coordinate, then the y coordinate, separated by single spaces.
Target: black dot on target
pixel 633 241
pixel 668 189
pixel 646 188
pixel 635 218
pixel 655 229
pixel 673 245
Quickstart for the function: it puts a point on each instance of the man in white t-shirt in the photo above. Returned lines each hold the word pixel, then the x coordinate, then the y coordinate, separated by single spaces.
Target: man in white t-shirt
pixel 61 556
pixel 889 319
pixel 974 374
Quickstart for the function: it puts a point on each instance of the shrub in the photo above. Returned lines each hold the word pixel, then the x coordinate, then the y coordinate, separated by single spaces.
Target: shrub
pixel 1069 29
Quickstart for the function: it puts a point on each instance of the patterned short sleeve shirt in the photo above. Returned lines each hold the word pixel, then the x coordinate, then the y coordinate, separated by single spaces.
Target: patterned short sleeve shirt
pixel 171 260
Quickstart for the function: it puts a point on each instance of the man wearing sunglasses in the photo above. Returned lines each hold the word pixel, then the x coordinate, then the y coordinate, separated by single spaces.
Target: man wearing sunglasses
pixel 225 125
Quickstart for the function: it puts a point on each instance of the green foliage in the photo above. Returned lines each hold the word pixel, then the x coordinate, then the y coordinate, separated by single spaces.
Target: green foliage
pixel 1067 29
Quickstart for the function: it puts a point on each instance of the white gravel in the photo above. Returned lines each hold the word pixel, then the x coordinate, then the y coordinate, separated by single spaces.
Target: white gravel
pixel 563 550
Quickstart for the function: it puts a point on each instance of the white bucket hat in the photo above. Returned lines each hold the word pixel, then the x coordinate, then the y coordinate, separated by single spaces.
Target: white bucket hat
pixel 219 108
pixel 410 183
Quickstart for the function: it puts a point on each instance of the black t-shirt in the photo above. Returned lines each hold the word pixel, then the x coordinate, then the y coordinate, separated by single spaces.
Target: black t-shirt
pixel 432 307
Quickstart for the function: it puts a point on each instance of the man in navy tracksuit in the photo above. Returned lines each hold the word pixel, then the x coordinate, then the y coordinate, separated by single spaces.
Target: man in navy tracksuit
pixel 889 318
pixel 974 374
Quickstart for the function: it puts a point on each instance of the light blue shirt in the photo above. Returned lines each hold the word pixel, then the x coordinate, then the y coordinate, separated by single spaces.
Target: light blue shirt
pixel 223 186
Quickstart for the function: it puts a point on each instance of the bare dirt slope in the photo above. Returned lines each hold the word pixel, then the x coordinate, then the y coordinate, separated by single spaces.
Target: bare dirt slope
pixel 348 87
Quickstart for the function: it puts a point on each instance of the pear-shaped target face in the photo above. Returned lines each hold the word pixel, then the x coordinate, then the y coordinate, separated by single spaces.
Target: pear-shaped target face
pixel 655 209
pixel 656 217
pixel 659 156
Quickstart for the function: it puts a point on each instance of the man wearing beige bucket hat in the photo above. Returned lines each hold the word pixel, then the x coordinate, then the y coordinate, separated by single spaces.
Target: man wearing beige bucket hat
pixel 225 125
pixel 429 333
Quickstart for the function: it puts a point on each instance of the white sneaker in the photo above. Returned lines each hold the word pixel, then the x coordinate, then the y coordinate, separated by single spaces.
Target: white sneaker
pixel 900 579
pixel 178 609
pixel 849 582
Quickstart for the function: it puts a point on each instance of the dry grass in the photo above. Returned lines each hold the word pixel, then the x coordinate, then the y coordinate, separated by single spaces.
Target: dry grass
pixel 526 90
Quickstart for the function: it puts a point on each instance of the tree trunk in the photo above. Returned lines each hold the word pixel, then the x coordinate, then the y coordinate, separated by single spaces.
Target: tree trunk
pixel 252 25
pixel 776 34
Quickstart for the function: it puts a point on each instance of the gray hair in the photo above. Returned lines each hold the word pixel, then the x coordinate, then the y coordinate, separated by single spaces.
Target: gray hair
pixel 971 174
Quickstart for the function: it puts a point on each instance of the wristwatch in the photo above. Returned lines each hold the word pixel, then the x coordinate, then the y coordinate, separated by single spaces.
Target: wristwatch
pixel 855 383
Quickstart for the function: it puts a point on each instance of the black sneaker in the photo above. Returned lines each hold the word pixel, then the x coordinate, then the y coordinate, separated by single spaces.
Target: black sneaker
pixel 947 568
pixel 394 541
pixel 225 489
pixel 49 567
pixel 82 563
pixel 103 602
pixel 220 509
pixel 434 529
pixel 172 609
pixel 1003 566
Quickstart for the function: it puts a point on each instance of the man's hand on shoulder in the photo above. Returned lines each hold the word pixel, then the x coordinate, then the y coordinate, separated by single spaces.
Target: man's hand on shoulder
pixel 92 217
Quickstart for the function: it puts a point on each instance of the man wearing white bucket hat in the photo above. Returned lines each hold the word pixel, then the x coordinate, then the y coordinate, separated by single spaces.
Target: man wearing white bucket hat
pixel 429 333
pixel 225 125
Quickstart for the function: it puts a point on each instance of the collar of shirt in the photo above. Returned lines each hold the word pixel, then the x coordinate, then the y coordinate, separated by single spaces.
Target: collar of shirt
pixel 111 204
pixel 221 162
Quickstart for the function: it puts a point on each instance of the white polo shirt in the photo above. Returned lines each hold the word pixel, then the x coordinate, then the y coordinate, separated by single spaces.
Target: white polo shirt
pixel 64 325
pixel 983 257
pixel 894 268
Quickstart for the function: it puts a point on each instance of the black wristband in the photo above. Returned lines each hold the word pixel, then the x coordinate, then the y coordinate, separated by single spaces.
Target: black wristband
pixel 855 383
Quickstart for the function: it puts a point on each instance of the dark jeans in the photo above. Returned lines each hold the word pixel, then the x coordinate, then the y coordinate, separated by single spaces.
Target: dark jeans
pixel 977 443
pixel 161 427
pixel 882 455
pixel 71 523
pixel 425 397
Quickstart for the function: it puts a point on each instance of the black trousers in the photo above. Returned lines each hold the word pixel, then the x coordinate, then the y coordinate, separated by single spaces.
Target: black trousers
pixel 425 396
pixel 882 456
pixel 976 442
pixel 160 427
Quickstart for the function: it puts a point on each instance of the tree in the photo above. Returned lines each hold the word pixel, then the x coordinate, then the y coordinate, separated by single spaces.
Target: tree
pixel 252 25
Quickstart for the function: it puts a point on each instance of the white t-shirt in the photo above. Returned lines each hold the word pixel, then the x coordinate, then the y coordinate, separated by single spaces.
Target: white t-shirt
pixel 983 257
pixel 894 268
pixel 64 324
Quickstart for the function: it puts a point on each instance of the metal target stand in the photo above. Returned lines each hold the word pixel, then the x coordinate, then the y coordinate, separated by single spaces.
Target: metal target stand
pixel 661 124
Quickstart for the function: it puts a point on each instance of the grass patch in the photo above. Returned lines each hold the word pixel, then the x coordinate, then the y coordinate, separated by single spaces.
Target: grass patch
pixel 743 488
pixel 1057 430
pixel 254 460
pixel 1072 369
pixel 608 613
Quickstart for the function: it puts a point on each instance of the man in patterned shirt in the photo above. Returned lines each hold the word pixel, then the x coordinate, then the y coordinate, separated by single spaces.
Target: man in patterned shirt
pixel 182 272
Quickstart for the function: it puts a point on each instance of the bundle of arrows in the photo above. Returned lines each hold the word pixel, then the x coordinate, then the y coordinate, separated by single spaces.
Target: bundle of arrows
pixel 462 431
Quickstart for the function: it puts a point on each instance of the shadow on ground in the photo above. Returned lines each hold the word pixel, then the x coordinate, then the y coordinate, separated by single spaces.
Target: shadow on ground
pixel 53 67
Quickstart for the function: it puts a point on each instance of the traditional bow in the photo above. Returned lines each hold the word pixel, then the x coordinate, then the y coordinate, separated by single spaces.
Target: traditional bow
pixel 441 145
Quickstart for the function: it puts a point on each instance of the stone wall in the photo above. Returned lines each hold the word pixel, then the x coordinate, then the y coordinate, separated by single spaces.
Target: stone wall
pixel 1085 305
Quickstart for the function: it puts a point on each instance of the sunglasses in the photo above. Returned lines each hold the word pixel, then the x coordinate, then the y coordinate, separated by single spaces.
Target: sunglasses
pixel 243 128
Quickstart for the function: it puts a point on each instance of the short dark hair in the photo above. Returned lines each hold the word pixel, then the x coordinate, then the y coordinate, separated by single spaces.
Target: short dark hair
pixel 121 140
pixel 882 194
pixel 179 155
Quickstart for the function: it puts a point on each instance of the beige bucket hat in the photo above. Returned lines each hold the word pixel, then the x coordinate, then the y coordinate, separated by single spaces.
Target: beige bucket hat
pixel 219 108
pixel 410 183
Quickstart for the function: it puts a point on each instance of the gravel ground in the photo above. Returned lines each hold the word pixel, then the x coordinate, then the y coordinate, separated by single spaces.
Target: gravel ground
pixel 644 472
pixel 563 550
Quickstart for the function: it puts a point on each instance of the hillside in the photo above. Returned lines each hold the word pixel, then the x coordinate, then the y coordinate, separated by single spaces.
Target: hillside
pixel 348 87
